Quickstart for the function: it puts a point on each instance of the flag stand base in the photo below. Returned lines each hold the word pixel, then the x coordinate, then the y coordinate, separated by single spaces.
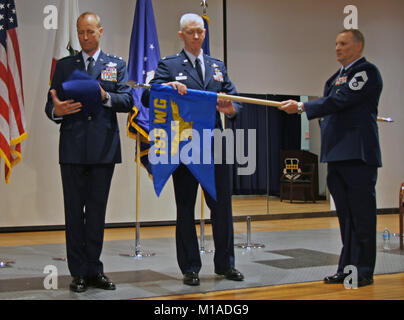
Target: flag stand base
pixel 139 253
pixel 203 251
pixel 60 259
pixel 5 263
pixel 249 245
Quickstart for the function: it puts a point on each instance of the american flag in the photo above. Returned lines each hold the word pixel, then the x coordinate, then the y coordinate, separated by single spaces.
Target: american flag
pixel 12 118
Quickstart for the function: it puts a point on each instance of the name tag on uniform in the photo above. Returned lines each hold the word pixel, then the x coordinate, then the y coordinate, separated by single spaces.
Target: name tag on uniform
pixel 110 73
pixel 181 77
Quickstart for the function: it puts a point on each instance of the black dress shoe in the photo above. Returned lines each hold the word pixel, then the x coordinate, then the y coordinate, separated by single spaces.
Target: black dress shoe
pixel 78 284
pixel 231 274
pixel 336 278
pixel 191 279
pixel 365 282
pixel 101 281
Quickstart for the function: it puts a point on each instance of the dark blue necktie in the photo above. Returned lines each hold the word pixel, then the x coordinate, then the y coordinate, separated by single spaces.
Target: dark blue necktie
pixel 90 66
pixel 199 69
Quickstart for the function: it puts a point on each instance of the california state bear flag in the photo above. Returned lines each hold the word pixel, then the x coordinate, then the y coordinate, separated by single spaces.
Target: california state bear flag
pixel 66 41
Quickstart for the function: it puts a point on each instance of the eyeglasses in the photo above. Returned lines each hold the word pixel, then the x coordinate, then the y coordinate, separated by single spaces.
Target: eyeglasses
pixel 191 32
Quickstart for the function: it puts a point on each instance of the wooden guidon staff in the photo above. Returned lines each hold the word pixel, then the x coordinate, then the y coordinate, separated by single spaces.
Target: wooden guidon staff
pixel 224 96
pixel 249 100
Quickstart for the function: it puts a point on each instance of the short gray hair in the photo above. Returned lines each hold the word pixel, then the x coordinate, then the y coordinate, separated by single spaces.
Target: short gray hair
pixel 357 35
pixel 188 17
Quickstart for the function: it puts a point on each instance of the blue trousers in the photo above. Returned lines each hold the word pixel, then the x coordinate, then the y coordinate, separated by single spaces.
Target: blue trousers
pixel 352 185
pixel 185 188
pixel 85 192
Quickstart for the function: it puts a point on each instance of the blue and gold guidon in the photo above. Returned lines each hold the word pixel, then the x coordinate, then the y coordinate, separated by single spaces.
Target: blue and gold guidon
pixel 181 131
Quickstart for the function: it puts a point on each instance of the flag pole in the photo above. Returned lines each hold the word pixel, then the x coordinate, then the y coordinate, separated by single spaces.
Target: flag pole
pixel 203 251
pixel 139 253
pixel 137 193
pixel 144 54
pixel 204 5
pixel 224 96
pixel 269 103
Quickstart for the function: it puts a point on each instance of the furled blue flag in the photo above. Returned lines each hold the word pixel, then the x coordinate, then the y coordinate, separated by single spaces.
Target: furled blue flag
pixel 144 55
pixel 81 87
pixel 205 45
pixel 181 131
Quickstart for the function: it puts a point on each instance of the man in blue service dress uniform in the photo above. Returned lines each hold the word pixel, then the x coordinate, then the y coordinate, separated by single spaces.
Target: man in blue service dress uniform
pixel 350 146
pixel 89 147
pixel 192 69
